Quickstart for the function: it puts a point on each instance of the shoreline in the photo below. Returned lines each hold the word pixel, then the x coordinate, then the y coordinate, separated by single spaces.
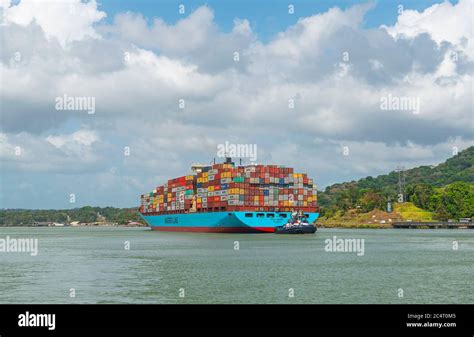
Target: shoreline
pixel 84 226
pixel 363 226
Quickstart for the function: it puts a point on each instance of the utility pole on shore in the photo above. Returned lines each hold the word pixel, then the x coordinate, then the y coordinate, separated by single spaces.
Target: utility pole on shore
pixel 401 183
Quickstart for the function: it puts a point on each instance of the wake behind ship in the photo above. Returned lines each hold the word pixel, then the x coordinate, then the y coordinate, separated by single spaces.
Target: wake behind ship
pixel 227 198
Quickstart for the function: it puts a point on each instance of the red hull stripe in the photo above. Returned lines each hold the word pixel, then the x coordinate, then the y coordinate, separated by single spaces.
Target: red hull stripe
pixel 265 229
pixel 214 229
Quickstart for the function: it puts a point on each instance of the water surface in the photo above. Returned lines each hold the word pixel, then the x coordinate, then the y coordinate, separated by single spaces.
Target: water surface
pixel 159 266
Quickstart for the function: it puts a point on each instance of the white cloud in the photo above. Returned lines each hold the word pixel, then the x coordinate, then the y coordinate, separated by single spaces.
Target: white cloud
pixel 195 39
pixel 80 137
pixel 242 27
pixel 66 20
pixel 306 36
pixel 68 153
pixel 444 22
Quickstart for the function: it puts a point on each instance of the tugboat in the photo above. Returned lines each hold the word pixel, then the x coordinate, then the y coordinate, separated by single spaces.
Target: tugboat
pixel 298 224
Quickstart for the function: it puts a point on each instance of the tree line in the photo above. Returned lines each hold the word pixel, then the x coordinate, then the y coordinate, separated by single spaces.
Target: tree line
pixel 85 214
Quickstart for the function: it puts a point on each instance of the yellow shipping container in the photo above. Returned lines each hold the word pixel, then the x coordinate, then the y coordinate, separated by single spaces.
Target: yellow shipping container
pixel 205 174
pixel 241 191
pixel 199 180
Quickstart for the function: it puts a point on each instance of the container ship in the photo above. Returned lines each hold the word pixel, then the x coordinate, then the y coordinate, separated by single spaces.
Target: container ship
pixel 225 198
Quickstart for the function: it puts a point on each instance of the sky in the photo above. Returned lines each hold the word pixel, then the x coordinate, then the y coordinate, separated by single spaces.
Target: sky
pixel 337 89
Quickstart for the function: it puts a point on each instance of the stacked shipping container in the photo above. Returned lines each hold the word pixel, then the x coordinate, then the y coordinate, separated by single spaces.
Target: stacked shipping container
pixel 223 187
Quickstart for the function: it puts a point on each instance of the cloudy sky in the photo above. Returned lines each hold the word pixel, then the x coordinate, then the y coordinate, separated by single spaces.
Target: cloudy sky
pixel 303 83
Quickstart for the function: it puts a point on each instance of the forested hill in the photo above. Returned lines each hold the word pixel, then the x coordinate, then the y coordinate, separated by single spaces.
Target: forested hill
pixel 426 186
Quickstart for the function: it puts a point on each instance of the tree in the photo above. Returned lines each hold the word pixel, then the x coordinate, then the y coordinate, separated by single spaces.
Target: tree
pixel 371 200
pixel 420 194
pixel 459 200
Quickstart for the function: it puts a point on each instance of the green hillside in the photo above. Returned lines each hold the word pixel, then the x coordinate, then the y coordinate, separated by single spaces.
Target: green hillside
pixel 446 190
pixel 408 211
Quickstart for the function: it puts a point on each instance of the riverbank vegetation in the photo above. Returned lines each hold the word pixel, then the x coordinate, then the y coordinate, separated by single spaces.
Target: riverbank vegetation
pixel 441 192
pixel 88 214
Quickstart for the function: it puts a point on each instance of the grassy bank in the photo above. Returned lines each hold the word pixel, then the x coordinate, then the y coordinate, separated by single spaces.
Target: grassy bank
pixel 354 218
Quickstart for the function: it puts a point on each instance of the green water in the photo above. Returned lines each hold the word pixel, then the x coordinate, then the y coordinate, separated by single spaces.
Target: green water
pixel 96 264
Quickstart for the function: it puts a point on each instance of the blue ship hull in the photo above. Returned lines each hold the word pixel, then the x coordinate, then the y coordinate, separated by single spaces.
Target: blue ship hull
pixel 221 222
